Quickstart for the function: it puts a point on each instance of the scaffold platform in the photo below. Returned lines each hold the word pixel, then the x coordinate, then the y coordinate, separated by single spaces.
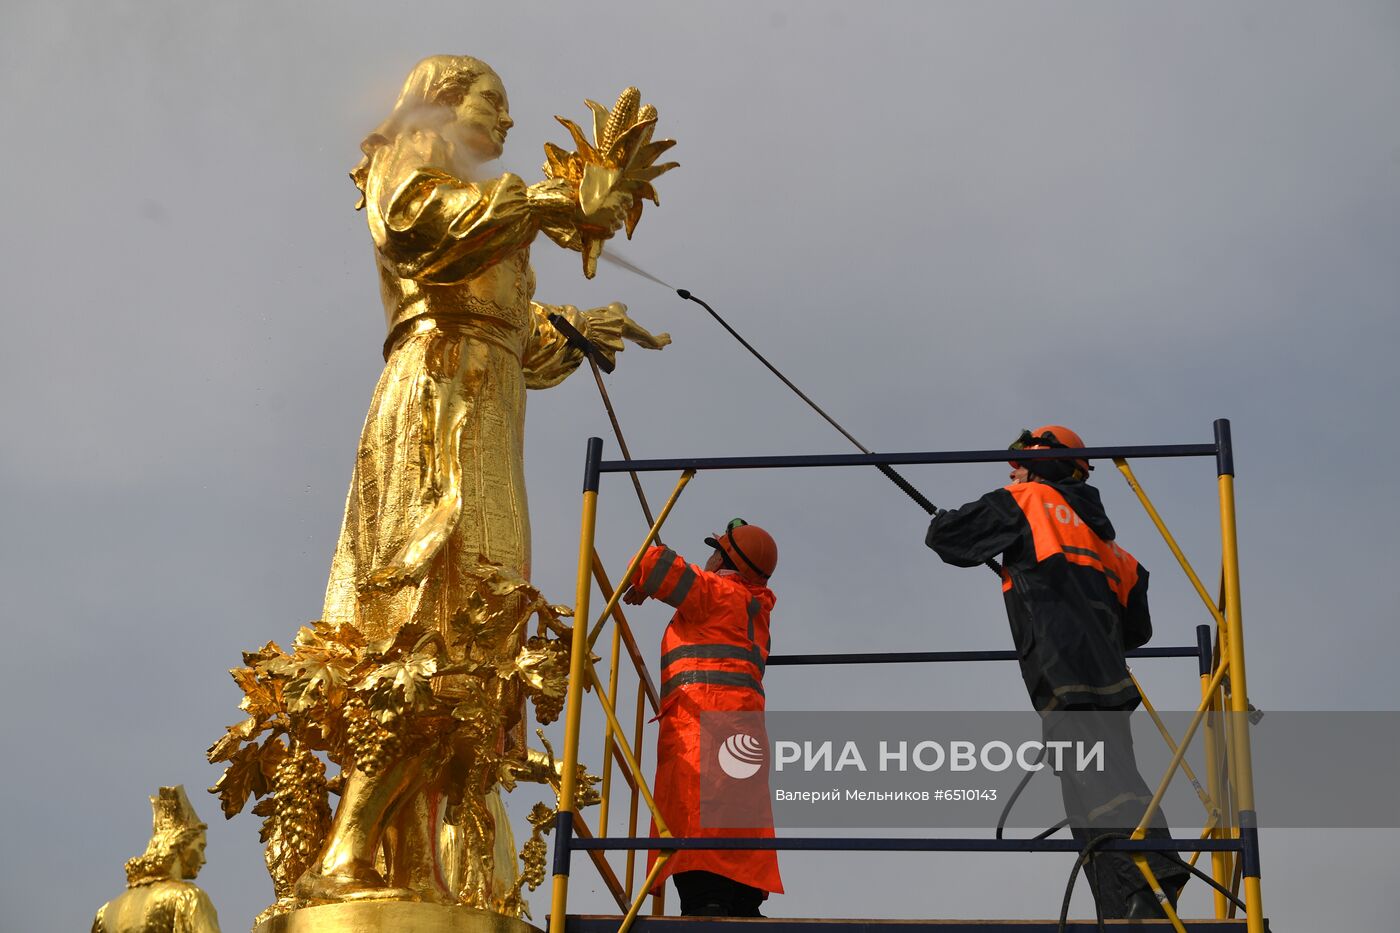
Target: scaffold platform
pixel 1228 845
pixel 601 923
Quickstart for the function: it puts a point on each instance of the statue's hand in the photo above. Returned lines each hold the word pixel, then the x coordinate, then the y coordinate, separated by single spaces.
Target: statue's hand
pixel 610 325
pixel 612 212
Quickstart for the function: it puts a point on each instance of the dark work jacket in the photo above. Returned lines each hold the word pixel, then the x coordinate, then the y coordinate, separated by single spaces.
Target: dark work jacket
pixel 1076 601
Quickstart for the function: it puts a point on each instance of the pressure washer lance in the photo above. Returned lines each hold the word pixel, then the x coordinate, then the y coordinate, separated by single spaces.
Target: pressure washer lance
pixel 596 362
pixel 884 468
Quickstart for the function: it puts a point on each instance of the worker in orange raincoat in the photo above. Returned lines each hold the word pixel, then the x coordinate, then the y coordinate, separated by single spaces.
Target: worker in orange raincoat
pixel 712 660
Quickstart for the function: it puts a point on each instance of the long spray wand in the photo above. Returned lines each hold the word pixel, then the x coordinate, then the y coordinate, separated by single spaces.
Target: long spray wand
pixel 890 472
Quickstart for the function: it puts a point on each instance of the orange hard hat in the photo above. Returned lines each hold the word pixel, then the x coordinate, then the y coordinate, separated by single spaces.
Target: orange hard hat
pixel 751 550
pixel 1049 436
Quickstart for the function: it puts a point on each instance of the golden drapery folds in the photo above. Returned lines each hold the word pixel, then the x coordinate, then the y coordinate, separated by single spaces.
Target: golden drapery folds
pixel 436 535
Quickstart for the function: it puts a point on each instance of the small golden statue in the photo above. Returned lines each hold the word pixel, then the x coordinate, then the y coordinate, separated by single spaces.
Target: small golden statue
pixel 159 897
pixel 414 680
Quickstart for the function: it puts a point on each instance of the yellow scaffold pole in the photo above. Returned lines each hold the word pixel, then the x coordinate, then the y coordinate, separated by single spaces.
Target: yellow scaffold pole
pixel 1220 865
pixel 1242 765
pixel 1178 756
pixel 568 779
pixel 1212 810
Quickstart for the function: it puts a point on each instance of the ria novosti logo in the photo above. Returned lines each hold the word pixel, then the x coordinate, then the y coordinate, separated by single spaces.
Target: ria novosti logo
pixel 741 756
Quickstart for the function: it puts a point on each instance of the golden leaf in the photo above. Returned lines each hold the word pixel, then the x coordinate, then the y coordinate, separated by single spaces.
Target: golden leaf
pixel 316 680
pixel 260 700
pixel 652 171
pixel 408 634
pixel 647 154
pixel 239 779
pixel 585 150
pixel 246 678
pixel 600 119
pixel 225 748
pixel 629 142
pixel 269 650
pixel 270 755
pixel 409 677
pixel 541 817
pixel 561 163
pixel 597 183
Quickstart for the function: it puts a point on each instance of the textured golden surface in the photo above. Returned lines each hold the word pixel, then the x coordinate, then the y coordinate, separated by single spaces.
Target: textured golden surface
pixel 391 917
pixel 159 897
pixel 414 681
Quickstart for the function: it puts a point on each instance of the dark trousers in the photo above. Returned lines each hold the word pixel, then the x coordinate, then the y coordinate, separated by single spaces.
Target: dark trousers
pixel 1110 801
pixel 706 894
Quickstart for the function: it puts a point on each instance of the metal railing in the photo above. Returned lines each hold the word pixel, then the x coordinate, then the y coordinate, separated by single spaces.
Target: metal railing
pixel 1230 834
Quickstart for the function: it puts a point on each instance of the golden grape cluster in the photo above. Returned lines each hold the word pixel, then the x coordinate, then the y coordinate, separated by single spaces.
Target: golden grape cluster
pixel 534 855
pixel 300 819
pixel 372 745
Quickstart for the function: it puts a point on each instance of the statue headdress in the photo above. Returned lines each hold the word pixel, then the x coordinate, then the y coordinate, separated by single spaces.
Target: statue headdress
pixel 173 822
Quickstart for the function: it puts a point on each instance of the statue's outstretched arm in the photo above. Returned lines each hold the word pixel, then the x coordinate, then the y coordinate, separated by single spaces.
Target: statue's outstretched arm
pixel 549 358
pixel 431 224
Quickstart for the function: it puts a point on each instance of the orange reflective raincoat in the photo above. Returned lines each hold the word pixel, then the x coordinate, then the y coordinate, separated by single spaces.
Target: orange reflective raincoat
pixel 712 659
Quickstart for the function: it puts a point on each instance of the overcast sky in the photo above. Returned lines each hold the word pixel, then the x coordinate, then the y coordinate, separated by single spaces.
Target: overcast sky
pixel 946 222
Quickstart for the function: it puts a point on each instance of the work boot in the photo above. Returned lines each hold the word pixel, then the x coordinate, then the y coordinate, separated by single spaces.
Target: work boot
pixel 1142 904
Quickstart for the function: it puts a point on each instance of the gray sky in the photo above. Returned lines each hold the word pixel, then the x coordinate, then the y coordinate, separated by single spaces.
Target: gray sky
pixel 945 221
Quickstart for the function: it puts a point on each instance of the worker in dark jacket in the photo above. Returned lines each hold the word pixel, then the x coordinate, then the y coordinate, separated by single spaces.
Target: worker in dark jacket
pixel 1076 602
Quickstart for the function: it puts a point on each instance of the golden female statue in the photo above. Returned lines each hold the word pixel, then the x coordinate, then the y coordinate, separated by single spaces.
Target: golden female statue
pixel 436 526
pixel 159 897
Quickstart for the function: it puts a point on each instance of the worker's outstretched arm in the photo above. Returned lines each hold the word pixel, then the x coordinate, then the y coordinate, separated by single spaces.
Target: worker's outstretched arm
pixel 968 536
pixel 663 574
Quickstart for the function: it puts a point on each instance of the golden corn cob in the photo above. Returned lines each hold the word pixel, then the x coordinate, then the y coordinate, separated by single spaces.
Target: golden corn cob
pixel 624 114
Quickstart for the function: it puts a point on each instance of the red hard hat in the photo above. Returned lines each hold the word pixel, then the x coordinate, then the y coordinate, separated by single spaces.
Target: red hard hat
pixel 1049 436
pixel 751 550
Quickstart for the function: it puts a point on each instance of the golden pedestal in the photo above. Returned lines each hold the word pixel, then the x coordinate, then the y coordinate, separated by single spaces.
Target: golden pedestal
pixel 386 916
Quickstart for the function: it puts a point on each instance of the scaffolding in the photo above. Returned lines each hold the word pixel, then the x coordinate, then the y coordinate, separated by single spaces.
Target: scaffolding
pixel 1230 834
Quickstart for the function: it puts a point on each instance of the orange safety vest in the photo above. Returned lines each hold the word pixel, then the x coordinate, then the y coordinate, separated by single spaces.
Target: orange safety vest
pixel 713 655
pixel 1076 601
pixel 1057 530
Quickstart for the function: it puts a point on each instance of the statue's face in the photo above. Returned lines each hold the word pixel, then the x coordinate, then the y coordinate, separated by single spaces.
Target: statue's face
pixel 192 857
pixel 484 113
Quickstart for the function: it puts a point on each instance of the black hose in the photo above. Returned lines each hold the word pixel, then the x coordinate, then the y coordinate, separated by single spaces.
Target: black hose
pixel 1085 855
pixel 889 471
pixel 1011 801
pixel 1214 884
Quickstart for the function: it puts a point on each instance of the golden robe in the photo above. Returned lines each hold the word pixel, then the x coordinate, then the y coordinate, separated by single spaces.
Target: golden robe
pixel 166 906
pixel 440 466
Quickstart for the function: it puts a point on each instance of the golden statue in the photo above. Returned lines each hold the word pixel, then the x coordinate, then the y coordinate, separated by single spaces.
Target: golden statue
pixel 159 897
pixel 414 681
